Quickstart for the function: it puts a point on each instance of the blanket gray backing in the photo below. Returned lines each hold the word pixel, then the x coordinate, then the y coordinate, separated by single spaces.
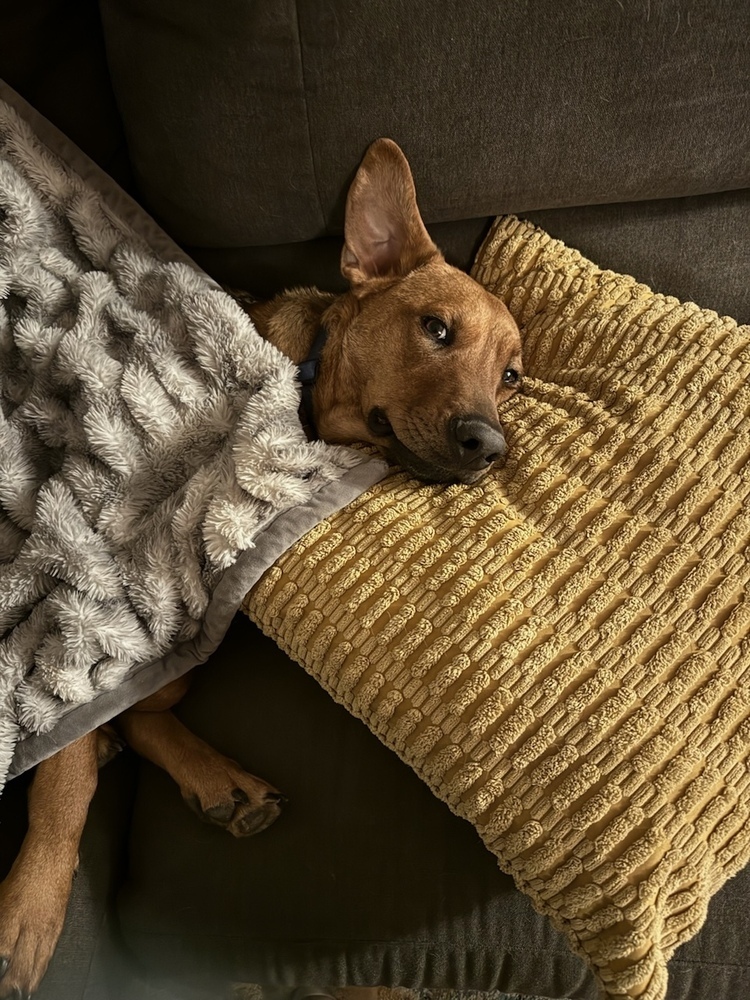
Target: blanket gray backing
pixel 152 463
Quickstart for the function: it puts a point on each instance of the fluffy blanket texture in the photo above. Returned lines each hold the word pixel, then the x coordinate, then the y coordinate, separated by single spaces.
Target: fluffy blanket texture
pixel 562 651
pixel 148 436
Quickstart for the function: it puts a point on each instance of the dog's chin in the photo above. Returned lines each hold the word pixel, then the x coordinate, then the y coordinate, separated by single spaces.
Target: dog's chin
pixel 425 470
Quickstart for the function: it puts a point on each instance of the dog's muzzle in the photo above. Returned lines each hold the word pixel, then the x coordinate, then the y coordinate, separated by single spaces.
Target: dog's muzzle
pixel 472 446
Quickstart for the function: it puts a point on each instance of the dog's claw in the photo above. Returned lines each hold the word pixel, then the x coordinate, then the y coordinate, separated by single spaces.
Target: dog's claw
pixel 4 962
pixel 277 797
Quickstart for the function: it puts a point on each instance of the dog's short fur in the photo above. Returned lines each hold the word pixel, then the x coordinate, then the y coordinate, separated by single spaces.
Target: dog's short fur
pixel 417 358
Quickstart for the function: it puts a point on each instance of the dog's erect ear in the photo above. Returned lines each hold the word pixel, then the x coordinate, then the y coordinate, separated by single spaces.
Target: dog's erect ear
pixel 383 232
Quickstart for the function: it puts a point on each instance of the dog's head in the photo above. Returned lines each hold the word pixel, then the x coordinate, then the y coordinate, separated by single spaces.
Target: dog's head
pixel 434 352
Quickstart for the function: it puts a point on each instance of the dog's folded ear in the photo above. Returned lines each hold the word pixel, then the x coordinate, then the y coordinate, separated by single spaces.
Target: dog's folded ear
pixel 384 234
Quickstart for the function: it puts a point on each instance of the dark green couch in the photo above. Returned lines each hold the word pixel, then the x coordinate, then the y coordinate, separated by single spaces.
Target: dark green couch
pixel 620 127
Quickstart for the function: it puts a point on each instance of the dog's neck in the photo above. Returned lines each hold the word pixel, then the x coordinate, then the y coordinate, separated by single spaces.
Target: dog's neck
pixel 291 322
pixel 307 372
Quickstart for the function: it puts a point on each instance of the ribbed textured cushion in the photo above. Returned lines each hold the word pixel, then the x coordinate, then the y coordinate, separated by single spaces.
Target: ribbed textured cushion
pixel 561 652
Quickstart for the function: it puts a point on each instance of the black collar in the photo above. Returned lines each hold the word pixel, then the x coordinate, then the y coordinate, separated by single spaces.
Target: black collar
pixel 308 373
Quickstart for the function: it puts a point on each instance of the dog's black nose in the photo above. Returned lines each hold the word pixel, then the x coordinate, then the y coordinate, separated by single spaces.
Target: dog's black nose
pixel 476 443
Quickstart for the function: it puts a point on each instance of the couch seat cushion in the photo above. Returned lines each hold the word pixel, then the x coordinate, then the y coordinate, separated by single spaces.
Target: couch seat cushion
pixel 365 879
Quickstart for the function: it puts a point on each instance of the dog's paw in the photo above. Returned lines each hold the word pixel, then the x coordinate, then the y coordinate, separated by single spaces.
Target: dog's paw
pixel 108 744
pixel 30 924
pixel 231 798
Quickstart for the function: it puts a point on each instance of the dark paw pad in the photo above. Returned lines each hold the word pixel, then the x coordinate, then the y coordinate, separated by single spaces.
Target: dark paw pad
pixel 220 814
pixel 250 821
pixel 241 816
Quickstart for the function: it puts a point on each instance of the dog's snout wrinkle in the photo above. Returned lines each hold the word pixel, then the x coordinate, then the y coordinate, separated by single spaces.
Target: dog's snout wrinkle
pixel 476 443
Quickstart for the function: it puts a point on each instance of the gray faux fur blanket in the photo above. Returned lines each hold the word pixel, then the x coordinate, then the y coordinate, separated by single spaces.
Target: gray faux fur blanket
pixel 148 437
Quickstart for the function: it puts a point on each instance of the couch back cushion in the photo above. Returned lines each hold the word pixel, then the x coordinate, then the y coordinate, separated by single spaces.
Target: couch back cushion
pixel 245 121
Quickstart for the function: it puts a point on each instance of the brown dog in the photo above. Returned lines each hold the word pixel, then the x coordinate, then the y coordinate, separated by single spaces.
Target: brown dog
pixel 416 359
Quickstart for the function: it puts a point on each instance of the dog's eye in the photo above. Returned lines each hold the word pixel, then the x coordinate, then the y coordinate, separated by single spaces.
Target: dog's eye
pixel 436 329
pixel 511 378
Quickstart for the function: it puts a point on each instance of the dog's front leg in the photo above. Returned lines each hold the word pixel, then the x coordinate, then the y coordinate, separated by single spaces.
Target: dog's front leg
pixel 215 787
pixel 34 896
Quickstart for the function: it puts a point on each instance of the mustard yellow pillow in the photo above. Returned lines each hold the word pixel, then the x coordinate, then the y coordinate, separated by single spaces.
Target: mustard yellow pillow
pixel 561 652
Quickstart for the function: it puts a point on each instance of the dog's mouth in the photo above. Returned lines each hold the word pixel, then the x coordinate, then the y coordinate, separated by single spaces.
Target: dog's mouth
pixel 398 453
